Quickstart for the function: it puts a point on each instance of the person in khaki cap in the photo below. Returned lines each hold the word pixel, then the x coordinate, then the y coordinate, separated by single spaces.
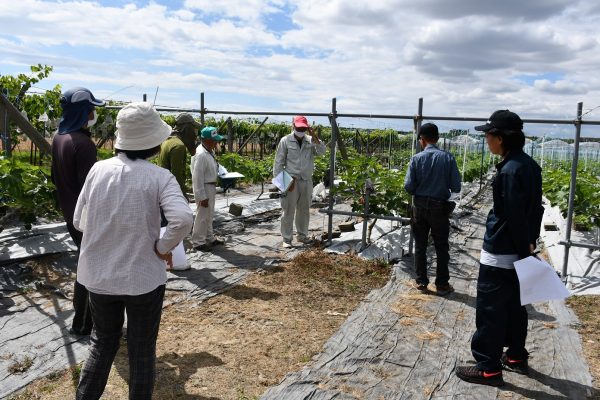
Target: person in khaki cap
pixel 172 151
pixel 296 154
pixel 205 170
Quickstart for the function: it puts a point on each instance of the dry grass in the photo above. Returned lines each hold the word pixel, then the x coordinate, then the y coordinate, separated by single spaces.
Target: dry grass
pixel 586 308
pixel 411 305
pixel 21 365
pixel 235 345
pixel 427 336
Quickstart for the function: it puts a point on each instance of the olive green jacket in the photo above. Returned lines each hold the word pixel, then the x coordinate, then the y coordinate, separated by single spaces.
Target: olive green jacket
pixel 172 157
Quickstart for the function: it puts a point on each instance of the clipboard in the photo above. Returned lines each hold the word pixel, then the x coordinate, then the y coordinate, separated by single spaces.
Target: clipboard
pixel 283 181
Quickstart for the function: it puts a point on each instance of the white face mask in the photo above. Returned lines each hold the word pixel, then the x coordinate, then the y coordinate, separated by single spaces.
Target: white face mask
pixel 92 122
pixel 299 134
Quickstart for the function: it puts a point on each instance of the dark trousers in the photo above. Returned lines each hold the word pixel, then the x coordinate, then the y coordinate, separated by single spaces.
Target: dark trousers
pixel 82 321
pixel 501 320
pixel 431 216
pixel 143 319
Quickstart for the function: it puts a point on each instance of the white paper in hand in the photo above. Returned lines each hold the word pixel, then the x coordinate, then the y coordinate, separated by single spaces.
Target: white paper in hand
pixel 283 180
pixel 538 281
pixel 180 261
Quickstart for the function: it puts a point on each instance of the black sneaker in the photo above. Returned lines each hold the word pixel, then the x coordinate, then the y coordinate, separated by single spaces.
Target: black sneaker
pixel 473 375
pixel 203 247
pixel 443 290
pixel 77 332
pixel 518 366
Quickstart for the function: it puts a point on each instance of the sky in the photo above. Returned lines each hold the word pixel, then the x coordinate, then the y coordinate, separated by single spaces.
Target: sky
pixel 465 58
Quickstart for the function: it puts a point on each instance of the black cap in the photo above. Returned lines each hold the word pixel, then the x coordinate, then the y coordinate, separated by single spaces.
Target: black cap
pixel 502 119
pixel 429 131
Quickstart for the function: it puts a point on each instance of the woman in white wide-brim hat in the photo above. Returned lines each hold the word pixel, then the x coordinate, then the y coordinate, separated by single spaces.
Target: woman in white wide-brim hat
pixel 122 260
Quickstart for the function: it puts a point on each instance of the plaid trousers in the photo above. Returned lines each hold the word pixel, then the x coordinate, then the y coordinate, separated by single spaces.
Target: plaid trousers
pixel 143 319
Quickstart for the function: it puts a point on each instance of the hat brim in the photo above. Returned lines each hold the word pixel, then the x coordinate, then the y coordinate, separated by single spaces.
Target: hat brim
pixel 484 128
pixel 98 103
pixel 163 131
pixel 193 123
pixel 216 138
pixel 301 125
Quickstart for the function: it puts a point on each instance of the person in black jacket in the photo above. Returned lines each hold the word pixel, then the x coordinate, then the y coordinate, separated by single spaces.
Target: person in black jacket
pixel 512 230
pixel 73 155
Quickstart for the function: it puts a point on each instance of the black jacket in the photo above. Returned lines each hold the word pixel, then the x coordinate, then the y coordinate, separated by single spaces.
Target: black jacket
pixel 514 221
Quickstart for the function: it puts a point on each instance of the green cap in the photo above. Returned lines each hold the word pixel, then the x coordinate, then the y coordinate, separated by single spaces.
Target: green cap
pixel 210 132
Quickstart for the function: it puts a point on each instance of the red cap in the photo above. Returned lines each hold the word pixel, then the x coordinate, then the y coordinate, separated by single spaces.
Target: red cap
pixel 300 122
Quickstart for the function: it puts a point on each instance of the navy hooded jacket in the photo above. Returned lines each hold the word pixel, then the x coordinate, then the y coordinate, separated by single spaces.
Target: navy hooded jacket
pixel 515 219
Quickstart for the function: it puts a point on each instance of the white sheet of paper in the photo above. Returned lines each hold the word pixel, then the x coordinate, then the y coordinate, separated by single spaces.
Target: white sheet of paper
pixel 283 180
pixel 538 281
pixel 180 260
pixel 222 170
pixel 229 175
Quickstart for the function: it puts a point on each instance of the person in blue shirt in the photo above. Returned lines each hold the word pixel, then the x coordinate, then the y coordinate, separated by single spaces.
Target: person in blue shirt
pixel 431 176
pixel 512 230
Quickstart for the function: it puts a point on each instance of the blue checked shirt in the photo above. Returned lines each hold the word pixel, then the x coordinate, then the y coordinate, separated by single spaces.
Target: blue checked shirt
pixel 432 173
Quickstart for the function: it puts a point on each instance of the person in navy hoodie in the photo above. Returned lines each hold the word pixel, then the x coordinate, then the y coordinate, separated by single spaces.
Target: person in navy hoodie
pixel 73 155
pixel 512 229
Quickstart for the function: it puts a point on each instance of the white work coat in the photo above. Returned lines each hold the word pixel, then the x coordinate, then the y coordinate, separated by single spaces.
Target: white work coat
pixel 298 161
pixel 204 170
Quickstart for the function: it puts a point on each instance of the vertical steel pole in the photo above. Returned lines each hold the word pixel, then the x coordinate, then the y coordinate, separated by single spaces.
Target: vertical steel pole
pixel 572 191
pixel 419 123
pixel 482 156
pixel 332 144
pixel 390 151
pixel 144 97
pixel 202 109
pixel 229 135
pixel 5 125
pixel 363 242
pixel 411 240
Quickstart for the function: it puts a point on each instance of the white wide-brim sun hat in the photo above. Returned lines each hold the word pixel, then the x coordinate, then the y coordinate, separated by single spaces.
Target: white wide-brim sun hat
pixel 139 127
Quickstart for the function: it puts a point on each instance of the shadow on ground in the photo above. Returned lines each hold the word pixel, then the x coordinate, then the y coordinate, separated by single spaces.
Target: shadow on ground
pixel 172 371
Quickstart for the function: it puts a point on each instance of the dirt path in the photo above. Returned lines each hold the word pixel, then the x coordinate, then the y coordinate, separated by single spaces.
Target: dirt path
pixel 235 345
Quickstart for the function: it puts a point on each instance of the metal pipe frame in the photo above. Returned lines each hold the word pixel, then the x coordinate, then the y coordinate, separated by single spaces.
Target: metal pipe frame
pixel 366 216
pixel 570 243
pixel 578 122
pixel 332 145
pixel 363 115
pixel 572 190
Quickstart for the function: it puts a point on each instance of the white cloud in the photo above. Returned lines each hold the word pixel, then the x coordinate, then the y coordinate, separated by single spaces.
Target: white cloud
pixel 560 87
pixel 376 57
pixel 247 10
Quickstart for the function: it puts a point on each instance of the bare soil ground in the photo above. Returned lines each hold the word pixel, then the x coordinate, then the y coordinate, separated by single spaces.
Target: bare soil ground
pixel 235 345
pixel 586 308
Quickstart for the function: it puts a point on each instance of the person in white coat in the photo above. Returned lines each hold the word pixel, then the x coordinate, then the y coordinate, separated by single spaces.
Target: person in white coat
pixel 204 180
pixel 296 154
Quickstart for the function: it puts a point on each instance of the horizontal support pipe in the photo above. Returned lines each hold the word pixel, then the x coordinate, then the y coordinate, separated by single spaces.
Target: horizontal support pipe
pixel 354 115
pixel 369 216
pixel 579 244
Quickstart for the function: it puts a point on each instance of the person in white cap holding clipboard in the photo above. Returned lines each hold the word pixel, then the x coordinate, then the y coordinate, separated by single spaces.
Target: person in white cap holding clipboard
pixel 296 154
